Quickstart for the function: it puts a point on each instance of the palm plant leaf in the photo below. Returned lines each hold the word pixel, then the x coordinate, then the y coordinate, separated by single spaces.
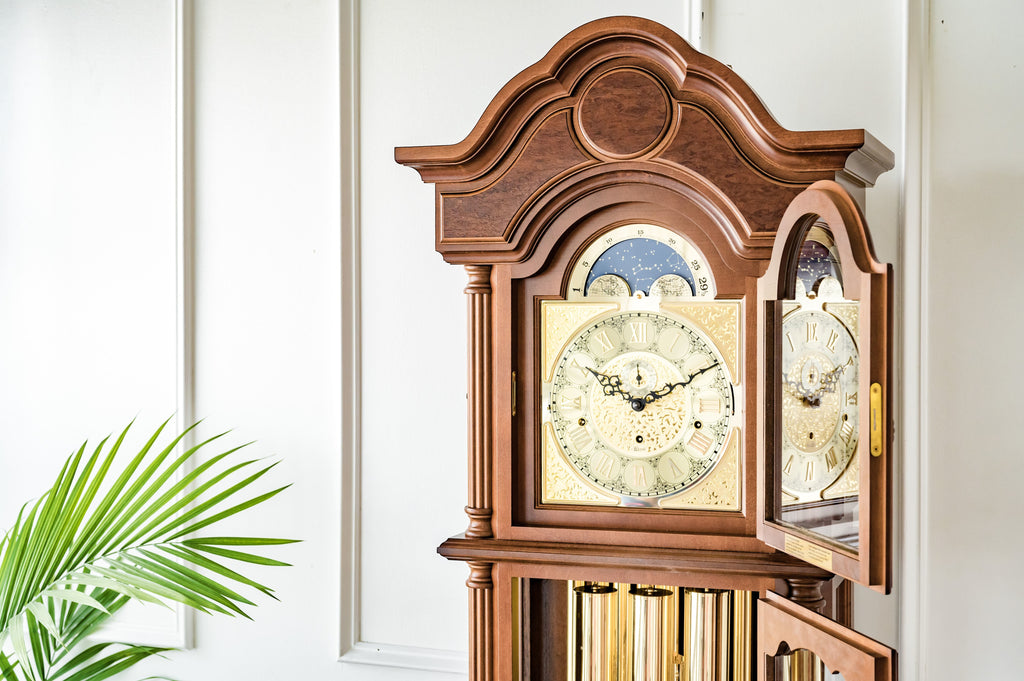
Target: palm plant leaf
pixel 102 536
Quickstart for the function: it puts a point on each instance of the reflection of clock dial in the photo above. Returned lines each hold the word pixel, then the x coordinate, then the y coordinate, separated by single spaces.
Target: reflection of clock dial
pixel 641 403
pixel 819 402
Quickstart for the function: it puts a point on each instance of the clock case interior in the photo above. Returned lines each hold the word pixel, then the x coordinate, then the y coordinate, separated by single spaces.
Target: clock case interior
pixel 622 122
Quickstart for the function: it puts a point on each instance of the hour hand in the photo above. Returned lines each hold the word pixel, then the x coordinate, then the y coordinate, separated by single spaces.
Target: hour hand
pixel 809 397
pixel 611 385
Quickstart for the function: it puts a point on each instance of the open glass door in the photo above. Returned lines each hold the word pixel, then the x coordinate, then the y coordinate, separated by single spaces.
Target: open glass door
pixel 795 644
pixel 825 316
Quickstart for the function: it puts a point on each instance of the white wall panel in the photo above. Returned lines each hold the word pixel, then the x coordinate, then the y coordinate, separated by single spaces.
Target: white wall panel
pixel 87 229
pixel 976 461
pixel 88 273
pixel 824 66
pixel 268 311
pixel 428 71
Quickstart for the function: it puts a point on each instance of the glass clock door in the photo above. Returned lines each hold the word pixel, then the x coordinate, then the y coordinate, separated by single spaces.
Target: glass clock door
pixel 826 460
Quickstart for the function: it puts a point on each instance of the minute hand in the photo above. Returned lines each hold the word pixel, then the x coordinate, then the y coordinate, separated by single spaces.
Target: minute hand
pixel 669 387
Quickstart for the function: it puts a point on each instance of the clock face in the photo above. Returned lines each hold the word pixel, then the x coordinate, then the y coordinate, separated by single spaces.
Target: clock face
pixel 642 404
pixel 819 402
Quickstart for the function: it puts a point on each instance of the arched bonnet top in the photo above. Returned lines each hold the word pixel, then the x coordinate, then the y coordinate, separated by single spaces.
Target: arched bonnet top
pixel 626 97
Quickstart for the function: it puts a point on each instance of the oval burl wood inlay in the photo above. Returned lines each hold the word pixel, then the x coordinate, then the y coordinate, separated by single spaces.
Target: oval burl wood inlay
pixel 624 113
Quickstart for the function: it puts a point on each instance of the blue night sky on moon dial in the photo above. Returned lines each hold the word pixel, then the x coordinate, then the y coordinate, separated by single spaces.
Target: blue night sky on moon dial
pixel 640 261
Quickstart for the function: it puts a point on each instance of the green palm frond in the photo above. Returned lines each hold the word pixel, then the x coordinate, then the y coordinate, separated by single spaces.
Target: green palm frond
pixel 99 538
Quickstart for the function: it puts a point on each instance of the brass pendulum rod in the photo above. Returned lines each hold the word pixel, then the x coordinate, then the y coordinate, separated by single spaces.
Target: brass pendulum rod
pixel 596 632
pixel 622 632
pixel 742 635
pixel 701 655
pixel 653 633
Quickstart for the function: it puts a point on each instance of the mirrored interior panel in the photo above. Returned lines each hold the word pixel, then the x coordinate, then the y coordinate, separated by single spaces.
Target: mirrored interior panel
pixel 820 401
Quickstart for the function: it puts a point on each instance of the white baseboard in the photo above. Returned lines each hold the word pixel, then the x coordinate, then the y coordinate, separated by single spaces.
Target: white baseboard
pixel 407 657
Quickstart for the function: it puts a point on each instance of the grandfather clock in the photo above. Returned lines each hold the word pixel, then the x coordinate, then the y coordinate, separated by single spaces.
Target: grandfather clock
pixel 680 373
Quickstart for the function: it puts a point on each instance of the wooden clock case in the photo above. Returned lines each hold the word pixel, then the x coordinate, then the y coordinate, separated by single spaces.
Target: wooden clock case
pixel 621 122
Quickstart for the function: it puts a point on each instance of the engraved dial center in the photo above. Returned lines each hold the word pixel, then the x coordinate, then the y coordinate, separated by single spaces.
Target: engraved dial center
pixel 643 429
pixel 810 426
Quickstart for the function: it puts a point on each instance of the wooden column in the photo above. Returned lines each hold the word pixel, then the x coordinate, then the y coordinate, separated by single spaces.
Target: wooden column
pixel 478 292
pixel 808 593
pixel 481 621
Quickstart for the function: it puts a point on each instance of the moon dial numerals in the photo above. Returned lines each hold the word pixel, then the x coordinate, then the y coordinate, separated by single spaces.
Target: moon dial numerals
pixel 641 404
pixel 819 402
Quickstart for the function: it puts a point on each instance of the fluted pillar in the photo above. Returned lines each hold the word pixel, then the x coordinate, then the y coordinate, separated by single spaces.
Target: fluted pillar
pixel 481 622
pixel 478 293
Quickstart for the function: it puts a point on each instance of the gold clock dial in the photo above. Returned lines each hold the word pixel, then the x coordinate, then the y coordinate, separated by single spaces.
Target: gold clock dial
pixel 641 403
pixel 819 402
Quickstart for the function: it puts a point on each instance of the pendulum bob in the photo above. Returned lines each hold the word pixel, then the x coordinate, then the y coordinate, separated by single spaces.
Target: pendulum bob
pixel 742 635
pixel 802 665
pixel 707 621
pixel 653 635
pixel 596 632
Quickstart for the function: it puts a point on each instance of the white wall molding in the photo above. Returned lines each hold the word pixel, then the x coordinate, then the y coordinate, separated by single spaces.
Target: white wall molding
pixel 184 79
pixel 348 48
pixel 697 14
pixel 912 417
pixel 407 657
pixel 352 649
pixel 177 629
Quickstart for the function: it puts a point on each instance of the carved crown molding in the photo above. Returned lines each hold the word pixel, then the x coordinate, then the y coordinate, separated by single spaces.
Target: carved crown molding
pixel 625 89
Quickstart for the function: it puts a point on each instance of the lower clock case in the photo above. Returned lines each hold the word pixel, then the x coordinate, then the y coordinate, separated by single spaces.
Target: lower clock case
pixel 600 631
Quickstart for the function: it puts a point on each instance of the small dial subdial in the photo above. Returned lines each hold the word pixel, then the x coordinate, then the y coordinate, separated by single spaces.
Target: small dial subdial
pixel 641 377
pixel 641 404
pixel 671 286
pixel 610 285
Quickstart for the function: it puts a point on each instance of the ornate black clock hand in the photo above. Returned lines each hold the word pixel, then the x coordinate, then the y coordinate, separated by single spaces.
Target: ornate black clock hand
pixel 826 384
pixel 808 396
pixel 830 379
pixel 669 387
pixel 612 385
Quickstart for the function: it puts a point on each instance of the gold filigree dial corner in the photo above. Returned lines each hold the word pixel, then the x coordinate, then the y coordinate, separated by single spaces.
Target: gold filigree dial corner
pixel 560 320
pixel 848 483
pixel 848 312
pixel 720 320
pixel 721 490
pixel 561 484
